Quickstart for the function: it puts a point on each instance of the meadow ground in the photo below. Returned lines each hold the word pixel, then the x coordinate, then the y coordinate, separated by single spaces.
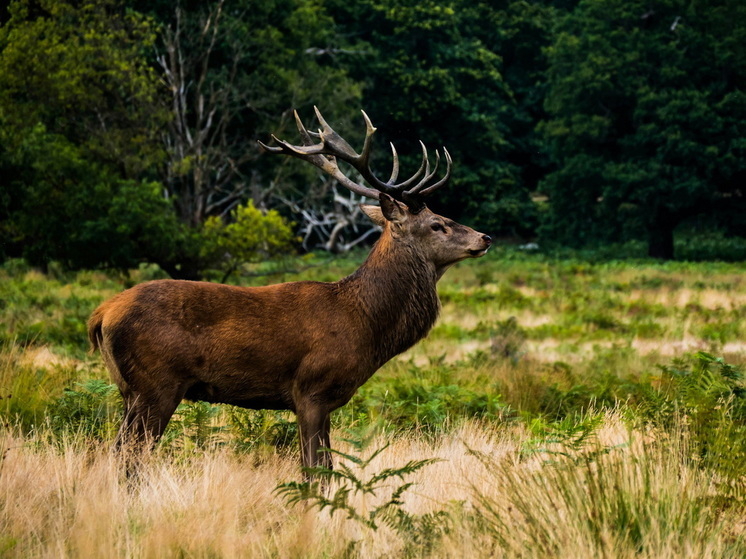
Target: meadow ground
pixel 560 408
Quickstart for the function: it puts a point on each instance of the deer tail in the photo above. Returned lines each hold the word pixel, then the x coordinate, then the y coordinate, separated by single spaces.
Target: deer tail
pixel 95 334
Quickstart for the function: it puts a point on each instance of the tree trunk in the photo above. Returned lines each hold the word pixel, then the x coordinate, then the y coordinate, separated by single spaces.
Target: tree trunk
pixel 660 238
pixel 182 269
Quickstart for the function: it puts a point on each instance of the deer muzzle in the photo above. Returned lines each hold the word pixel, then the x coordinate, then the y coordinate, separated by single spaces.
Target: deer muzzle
pixel 486 242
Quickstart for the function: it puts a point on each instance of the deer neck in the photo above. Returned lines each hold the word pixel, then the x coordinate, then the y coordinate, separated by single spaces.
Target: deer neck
pixel 395 292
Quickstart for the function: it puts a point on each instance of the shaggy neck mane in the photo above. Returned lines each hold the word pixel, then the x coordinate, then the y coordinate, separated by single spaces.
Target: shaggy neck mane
pixel 395 288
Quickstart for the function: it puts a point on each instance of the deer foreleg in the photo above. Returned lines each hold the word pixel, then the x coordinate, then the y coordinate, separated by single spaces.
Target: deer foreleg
pixel 326 456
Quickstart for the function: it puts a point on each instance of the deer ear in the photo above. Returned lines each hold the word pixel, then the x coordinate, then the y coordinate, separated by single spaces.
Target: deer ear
pixel 391 209
pixel 374 213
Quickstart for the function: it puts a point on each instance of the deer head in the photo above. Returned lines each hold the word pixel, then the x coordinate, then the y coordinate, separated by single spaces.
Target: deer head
pixel 402 211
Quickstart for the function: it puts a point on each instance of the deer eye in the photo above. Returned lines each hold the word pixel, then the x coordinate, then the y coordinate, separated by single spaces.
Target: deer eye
pixel 438 227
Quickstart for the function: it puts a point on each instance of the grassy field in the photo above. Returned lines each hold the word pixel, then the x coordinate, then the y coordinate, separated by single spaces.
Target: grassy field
pixel 560 408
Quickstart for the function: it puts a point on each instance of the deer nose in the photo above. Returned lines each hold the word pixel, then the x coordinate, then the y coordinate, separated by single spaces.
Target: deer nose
pixel 487 239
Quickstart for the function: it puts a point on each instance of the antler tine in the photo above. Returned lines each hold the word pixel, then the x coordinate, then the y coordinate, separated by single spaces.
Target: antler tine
pixel 289 149
pixel 395 168
pixel 333 143
pixel 360 162
pixel 424 167
pixel 304 134
pixel 428 176
pixel 308 148
pixel 433 187
pixel 337 146
pixel 270 149
pixel 367 143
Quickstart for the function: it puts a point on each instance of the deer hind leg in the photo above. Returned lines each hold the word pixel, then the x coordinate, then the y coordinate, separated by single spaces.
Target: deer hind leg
pixel 313 424
pixel 145 417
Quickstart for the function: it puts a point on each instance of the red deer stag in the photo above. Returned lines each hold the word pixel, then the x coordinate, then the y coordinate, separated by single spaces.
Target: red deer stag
pixel 303 346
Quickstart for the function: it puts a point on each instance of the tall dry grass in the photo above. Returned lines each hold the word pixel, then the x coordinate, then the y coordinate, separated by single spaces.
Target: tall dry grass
pixel 625 494
pixel 496 490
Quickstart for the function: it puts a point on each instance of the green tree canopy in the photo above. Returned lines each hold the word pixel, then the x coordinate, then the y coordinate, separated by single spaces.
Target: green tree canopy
pixel 127 125
pixel 78 136
pixel 436 71
pixel 122 132
pixel 80 69
pixel 647 113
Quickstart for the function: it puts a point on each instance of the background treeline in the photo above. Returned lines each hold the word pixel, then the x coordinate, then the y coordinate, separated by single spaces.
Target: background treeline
pixel 128 127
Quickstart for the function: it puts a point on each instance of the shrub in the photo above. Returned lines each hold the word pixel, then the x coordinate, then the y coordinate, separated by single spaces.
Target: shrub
pixel 251 236
pixel 91 409
pixel 428 400
pixel 710 395
pixel 507 339
pixel 352 478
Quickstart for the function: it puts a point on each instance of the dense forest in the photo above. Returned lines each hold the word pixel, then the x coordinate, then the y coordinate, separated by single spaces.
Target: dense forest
pixel 128 128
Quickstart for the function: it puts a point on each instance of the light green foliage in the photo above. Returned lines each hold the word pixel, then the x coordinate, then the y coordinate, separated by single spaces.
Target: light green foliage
pixel 710 395
pixel 26 388
pixel 263 430
pixel 429 400
pixel 91 410
pixel 353 478
pixel 571 438
pixel 194 424
pixel 37 309
pixel 251 236
pixel 596 501
pixel 200 425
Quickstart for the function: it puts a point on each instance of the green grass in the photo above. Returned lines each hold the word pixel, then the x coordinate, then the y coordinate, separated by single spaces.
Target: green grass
pixel 547 348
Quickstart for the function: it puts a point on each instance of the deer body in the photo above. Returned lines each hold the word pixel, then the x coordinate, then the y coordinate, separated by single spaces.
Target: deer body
pixel 301 346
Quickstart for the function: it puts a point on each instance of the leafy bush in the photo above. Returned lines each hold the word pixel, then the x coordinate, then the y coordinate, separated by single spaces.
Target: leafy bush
pixel 251 236
pixel 710 396
pixel 352 478
pixel 253 430
pixel 719 333
pixel 194 424
pixel 700 246
pixel 203 425
pixel 430 401
pixel 92 409
pixel 572 438
pixel 507 339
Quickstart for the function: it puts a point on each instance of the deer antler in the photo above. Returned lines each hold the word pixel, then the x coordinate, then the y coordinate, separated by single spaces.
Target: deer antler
pixel 332 147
